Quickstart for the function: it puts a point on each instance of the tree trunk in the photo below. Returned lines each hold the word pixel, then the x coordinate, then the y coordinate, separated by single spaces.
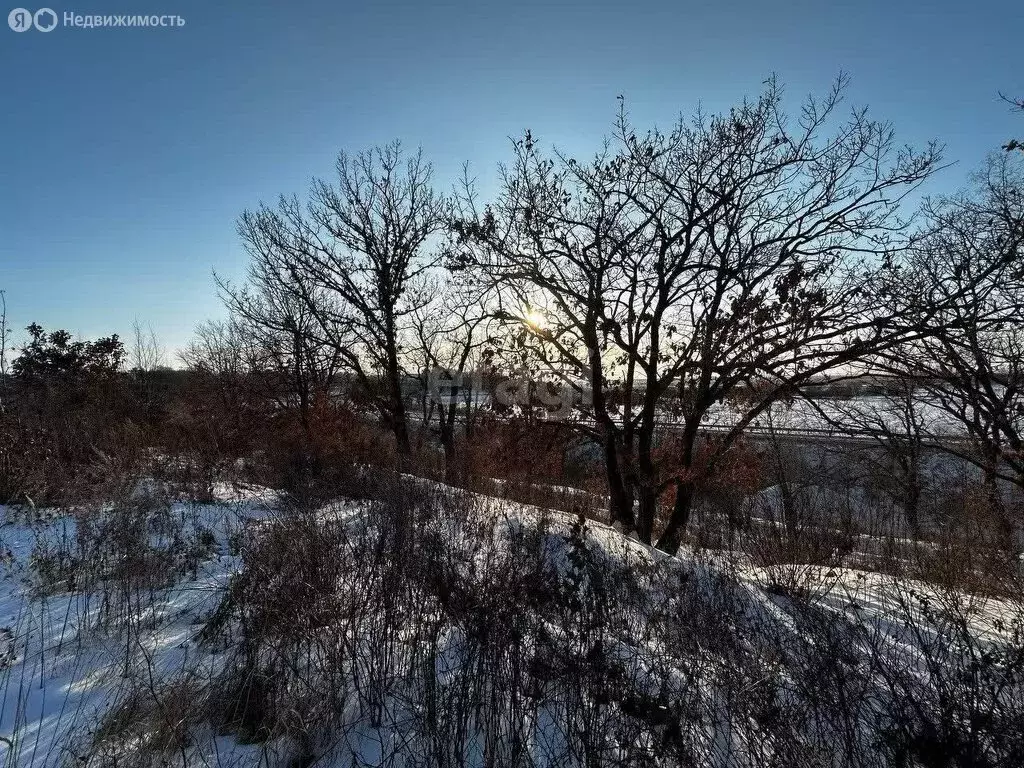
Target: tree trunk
pixel 672 537
pixel 451 470
pixel 401 430
pixel 648 508
pixel 446 415
pixel 399 423
pixel 673 534
pixel 620 506
pixel 647 489
pixel 620 497
pixel 301 383
pixel 790 513
pixel 912 500
pixel 994 500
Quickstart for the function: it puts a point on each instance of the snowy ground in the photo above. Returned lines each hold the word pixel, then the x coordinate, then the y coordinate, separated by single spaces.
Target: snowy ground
pixel 60 668
pixel 70 655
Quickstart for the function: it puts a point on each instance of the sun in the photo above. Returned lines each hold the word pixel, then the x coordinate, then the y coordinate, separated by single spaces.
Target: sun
pixel 535 319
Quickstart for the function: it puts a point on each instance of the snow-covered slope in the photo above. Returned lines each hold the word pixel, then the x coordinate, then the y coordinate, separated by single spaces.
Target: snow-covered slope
pixel 434 627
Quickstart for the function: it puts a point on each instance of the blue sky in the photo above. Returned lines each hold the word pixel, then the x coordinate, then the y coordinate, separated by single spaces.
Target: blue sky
pixel 128 153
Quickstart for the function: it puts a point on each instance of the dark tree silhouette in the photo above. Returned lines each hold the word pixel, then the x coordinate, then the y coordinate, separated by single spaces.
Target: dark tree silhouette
pixel 56 358
pixel 355 256
pixel 963 301
pixel 735 251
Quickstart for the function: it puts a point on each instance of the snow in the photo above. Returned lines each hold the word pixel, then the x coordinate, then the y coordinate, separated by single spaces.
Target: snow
pixel 65 664
pixel 63 669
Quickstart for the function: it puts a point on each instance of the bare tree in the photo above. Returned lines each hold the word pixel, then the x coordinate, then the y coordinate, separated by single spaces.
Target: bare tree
pixel 285 346
pixel 362 245
pixel 451 342
pixel 217 354
pixel 733 251
pixel 965 293
pixel 217 348
pixel 146 353
pixel 224 409
pixel 895 420
pixel 5 336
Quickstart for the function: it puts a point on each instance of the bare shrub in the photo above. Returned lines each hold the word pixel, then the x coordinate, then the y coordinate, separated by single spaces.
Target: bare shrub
pixel 149 722
pixel 122 551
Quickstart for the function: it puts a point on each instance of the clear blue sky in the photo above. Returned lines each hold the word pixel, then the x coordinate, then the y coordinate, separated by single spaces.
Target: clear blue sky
pixel 128 153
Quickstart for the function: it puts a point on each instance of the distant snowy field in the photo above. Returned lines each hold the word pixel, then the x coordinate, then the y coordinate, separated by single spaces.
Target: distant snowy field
pixel 856 413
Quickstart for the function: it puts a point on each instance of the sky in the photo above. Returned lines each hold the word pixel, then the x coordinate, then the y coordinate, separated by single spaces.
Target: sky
pixel 128 153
